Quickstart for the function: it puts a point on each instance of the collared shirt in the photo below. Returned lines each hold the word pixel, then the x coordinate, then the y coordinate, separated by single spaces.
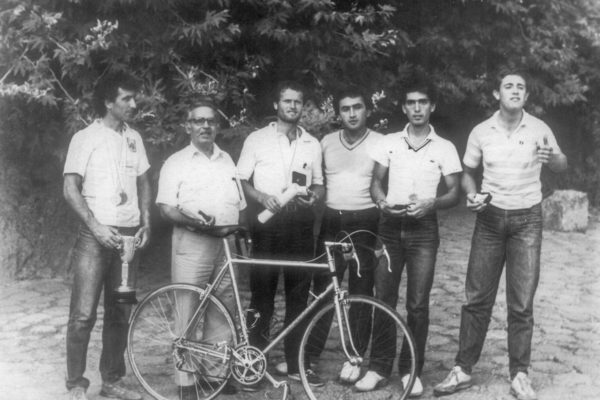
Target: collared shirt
pixel 270 158
pixel 511 171
pixel 348 171
pixel 109 164
pixel 414 173
pixel 192 182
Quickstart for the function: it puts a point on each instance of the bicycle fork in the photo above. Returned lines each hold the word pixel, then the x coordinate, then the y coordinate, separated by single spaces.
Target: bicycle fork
pixel 340 301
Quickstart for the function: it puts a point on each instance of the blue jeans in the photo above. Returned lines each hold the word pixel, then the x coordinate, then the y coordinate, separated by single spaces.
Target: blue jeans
pixel 335 223
pixel 95 267
pixel 502 236
pixel 414 243
pixel 288 235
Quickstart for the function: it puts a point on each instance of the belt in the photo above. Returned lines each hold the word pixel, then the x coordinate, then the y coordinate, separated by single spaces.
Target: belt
pixel 366 211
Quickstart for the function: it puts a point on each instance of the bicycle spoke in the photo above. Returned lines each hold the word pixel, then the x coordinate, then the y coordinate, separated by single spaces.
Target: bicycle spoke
pixel 155 346
pixel 326 345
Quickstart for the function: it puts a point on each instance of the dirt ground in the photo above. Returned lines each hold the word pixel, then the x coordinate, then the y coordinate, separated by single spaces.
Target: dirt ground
pixel 566 341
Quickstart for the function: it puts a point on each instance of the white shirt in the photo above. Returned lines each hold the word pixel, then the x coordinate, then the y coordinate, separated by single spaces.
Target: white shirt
pixel 511 171
pixel 191 181
pixel 415 173
pixel 348 171
pixel 270 158
pixel 109 164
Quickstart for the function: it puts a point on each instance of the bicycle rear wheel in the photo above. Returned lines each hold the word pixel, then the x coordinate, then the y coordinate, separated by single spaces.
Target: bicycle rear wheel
pixel 371 333
pixel 169 365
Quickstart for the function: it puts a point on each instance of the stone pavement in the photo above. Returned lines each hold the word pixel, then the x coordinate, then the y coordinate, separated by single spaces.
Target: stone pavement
pixel 566 341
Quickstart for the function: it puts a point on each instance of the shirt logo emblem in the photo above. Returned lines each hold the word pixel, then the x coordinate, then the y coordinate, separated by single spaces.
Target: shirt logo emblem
pixel 131 145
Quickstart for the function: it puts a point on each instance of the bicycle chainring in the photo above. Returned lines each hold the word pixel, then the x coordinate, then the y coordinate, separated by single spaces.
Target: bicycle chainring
pixel 248 364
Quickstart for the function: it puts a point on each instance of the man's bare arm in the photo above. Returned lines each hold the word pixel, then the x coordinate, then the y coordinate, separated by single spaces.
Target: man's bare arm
pixel 106 235
pixel 144 197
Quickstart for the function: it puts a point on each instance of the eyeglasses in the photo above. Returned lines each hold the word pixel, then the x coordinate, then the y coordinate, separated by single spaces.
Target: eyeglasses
pixel 203 121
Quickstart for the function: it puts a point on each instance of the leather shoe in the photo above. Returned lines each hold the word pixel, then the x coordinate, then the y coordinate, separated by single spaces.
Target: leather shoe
pixel 116 390
pixel 77 393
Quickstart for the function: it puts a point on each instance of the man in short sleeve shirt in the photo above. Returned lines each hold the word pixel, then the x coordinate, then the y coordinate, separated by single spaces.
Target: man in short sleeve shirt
pixel 348 170
pixel 273 157
pixel 201 177
pixel 416 160
pixel 512 146
pixel 106 184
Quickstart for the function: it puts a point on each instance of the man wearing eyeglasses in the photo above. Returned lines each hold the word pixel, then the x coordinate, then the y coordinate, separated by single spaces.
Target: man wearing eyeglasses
pixel 275 157
pixel 416 160
pixel 198 188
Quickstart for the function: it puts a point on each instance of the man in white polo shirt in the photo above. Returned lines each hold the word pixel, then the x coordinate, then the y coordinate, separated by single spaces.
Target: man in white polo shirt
pixel 201 177
pixel 106 184
pixel 416 159
pixel 274 157
pixel 512 146
pixel 348 170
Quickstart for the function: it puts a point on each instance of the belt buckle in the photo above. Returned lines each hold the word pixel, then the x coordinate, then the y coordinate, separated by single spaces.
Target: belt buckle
pixel 291 207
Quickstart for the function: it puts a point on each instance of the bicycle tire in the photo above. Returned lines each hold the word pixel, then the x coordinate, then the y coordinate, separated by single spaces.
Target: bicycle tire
pixel 321 348
pixel 157 323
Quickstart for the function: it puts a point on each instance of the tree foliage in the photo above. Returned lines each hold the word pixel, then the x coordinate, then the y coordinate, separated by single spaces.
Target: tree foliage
pixel 53 52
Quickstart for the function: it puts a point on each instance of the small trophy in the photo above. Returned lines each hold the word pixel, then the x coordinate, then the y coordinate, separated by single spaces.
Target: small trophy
pixel 125 294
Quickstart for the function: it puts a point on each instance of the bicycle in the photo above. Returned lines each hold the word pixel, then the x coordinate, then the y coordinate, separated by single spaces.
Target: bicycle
pixel 165 338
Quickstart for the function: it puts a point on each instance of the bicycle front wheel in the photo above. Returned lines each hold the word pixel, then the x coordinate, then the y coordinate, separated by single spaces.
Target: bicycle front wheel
pixel 368 334
pixel 177 351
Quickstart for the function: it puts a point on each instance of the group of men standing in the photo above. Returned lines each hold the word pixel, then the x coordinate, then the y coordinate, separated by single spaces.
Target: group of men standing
pixel 368 181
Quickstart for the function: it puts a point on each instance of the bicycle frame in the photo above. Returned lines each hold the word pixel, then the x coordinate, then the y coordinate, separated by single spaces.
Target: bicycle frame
pixel 333 287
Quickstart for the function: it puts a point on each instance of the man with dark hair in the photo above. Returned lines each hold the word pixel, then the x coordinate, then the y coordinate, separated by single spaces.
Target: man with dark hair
pixel 201 177
pixel 106 184
pixel 416 159
pixel 512 146
pixel 277 157
pixel 348 170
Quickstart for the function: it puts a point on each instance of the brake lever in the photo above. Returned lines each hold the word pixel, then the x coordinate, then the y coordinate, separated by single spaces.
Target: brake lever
pixel 383 252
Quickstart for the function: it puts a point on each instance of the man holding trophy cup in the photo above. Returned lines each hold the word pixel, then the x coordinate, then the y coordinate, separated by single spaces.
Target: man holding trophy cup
pixel 106 184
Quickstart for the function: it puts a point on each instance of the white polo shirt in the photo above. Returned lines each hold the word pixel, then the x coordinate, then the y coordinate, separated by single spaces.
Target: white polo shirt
pixel 109 163
pixel 415 173
pixel 348 171
pixel 191 181
pixel 270 158
pixel 511 171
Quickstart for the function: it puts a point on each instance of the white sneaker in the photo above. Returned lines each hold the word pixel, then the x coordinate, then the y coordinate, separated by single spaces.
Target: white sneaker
pixel 521 387
pixel 456 380
pixel 349 373
pixel 417 389
pixel 371 381
pixel 281 368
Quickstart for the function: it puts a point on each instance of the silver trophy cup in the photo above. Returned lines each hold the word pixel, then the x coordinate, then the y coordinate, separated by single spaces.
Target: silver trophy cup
pixel 125 294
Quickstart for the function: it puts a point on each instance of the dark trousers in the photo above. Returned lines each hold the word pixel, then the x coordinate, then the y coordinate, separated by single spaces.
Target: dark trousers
pixel 502 236
pixel 288 235
pixel 336 224
pixel 412 243
pixel 95 267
